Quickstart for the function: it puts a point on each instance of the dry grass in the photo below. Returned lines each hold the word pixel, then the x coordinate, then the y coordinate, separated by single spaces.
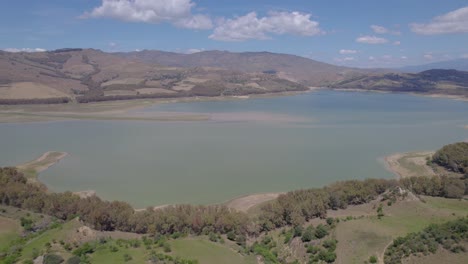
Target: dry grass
pixel 367 235
pixel 441 256
pixel 126 81
pixel 153 91
pixel 119 92
pixel 29 90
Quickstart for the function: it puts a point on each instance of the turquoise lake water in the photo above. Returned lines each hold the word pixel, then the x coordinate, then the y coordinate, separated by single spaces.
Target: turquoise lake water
pixel 308 140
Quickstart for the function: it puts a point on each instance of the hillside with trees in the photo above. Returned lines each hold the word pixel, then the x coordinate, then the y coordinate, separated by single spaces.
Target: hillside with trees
pixel 447 82
pixel 453 157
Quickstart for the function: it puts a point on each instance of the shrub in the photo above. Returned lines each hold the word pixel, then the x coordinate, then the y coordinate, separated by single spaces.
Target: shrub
pixel 52 259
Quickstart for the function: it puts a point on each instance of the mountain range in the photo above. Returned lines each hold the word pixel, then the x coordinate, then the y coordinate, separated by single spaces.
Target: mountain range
pixel 87 75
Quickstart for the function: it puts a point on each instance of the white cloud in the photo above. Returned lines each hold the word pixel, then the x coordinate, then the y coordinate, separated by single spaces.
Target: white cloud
pixel 371 58
pixel 428 56
pixel 24 50
pixel 397 43
pixel 176 12
pixel 464 56
pixel 404 57
pixel 112 44
pixel 349 59
pixel 346 51
pixel 383 30
pixel 191 51
pixel 252 27
pixel 379 29
pixel 371 40
pixel 452 22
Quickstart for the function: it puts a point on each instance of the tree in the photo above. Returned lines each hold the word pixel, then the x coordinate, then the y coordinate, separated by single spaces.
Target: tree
pixel 380 212
pixel 307 235
pixel 321 231
pixel 373 259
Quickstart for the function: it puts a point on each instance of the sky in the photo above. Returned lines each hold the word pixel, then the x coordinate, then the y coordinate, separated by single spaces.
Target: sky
pixel 358 33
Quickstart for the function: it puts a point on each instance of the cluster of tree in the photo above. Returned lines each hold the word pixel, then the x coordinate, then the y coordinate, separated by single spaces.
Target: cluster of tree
pixel 99 97
pixel 56 100
pixel 448 187
pixel 105 215
pixel 453 157
pixel 297 207
pixel 450 235
pixel 293 208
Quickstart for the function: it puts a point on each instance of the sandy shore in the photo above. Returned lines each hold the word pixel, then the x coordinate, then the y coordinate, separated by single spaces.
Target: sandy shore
pixel 116 110
pixel 244 203
pixel 409 164
pixel 44 162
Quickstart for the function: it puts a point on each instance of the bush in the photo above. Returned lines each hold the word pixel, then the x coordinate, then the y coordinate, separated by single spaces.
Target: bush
pixel 307 235
pixel 74 260
pixel 373 259
pixel 321 231
pixel 231 235
pixel 52 259
pixel 127 257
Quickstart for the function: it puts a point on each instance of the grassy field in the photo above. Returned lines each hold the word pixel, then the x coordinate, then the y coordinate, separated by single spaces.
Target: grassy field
pixel 207 252
pixel 63 232
pixel 9 231
pixel 104 255
pixel 366 236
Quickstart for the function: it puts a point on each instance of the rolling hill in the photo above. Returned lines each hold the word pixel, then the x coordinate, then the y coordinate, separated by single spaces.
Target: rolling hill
pixel 295 68
pixel 448 82
pixel 459 64
pixel 86 75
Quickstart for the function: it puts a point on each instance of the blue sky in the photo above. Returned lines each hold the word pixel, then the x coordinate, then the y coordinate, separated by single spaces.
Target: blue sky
pixel 363 33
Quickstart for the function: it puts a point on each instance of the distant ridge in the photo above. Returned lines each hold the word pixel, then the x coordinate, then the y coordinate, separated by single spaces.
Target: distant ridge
pixel 458 64
pixel 295 68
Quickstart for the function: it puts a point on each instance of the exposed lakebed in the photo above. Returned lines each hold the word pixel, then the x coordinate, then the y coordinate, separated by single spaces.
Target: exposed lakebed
pixel 249 146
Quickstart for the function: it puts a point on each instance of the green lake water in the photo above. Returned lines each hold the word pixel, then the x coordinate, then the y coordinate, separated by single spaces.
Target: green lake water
pixel 331 136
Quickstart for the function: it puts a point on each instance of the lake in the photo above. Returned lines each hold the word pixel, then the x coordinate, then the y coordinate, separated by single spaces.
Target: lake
pixel 304 141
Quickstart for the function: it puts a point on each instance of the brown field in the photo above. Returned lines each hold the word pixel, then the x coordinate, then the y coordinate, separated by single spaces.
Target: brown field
pixel 119 92
pixel 127 81
pixel 29 90
pixel 153 91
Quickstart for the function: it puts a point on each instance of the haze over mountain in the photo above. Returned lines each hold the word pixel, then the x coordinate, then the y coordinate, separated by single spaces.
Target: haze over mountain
pixel 458 64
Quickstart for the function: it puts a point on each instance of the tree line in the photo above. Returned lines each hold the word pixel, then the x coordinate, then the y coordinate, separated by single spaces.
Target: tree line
pixel 56 100
pixel 290 209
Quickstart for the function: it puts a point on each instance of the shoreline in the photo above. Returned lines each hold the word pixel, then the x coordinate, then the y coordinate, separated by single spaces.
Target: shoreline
pixel 127 110
pixel 436 95
pixel 124 110
pixel 31 170
pixel 45 161
pixel 416 164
